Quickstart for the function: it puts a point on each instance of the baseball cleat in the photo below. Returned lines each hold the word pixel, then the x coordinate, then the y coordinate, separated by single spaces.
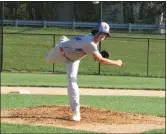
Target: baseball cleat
pixel 76 116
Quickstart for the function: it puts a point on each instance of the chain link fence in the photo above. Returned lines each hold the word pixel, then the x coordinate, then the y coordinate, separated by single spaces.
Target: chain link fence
pixel 142 56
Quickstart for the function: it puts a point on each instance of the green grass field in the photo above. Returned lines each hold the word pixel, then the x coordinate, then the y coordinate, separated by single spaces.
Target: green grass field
pixel 89 81
pixel 13 128
pixel 17 128
pixel 66 31
pixel 143 105
pixel 158 131
pixel 27 52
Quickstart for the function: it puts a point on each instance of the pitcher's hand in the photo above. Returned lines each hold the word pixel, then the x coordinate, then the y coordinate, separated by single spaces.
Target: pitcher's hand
pixel 119 63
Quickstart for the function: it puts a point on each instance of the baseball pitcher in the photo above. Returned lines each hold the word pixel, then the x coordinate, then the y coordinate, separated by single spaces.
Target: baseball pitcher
pixel 71 51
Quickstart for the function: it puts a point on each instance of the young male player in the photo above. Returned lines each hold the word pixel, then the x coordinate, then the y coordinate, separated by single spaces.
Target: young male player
pixel 71 51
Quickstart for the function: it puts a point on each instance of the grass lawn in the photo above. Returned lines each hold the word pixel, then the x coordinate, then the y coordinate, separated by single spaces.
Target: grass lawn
pixel 141 105
pixel 13 128
pixel 66 31
pixel 158 131
pixel 27 52
pixel 89 81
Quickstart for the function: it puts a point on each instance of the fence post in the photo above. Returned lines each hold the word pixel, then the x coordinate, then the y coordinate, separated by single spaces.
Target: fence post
pixel 53 46
pixel 130 27
pixel 99 65
pixel 148 51
pixel 1 43
pixel 73 24
pixel 16 23
pixel 44 24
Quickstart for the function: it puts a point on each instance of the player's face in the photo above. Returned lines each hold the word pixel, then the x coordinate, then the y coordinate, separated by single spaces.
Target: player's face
pixel 102 36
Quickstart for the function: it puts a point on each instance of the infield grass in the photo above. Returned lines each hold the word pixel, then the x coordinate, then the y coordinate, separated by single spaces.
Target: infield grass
pixel 157 131
pixel 142 105
pixel 28 52
pixel 87 81
pixel 17 128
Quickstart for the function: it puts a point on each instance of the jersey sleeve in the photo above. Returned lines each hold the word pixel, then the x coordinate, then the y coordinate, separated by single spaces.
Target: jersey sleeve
pixel 91 48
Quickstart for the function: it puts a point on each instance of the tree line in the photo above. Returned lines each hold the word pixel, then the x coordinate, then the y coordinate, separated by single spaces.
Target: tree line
pixel 81 11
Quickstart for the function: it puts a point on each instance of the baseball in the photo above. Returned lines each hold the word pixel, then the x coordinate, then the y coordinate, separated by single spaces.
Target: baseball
pixel 95 2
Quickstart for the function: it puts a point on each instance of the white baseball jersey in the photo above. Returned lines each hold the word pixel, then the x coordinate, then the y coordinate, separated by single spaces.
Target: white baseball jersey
pixel 79 47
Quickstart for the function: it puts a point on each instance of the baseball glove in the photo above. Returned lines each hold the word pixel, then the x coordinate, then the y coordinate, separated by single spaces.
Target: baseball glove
pixel 104 54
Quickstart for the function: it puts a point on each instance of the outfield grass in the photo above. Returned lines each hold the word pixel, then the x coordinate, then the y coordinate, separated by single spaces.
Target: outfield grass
pixel 66 31
pixel 88 81
pixel 27 52
pixel 142 105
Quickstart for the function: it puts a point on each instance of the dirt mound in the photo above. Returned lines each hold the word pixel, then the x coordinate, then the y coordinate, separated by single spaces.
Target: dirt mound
pixel 61 116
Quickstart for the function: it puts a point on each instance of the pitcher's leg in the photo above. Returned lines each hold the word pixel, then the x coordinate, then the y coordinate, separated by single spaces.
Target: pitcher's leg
pixel 73 90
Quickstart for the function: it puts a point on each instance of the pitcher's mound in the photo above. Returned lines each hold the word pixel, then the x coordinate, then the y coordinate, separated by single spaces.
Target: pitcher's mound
pixel 92 119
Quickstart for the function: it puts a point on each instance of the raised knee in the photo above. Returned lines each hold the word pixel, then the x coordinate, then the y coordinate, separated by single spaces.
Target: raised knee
pixel 49 59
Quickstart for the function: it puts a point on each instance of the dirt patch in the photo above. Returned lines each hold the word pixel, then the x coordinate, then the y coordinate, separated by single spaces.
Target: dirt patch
pixel 83 91
pixel 92 119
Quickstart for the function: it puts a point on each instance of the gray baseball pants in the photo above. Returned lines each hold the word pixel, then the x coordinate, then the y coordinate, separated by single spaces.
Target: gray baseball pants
pixel 55 56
